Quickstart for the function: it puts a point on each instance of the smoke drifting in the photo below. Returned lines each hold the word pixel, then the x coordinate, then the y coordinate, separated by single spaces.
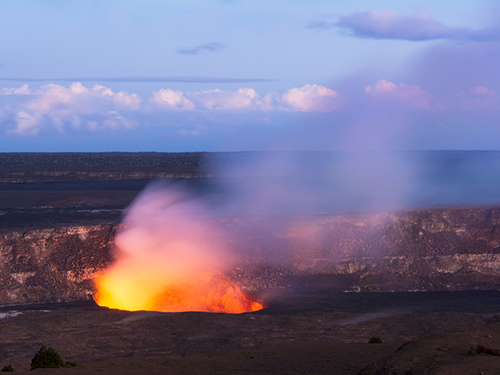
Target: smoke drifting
pixel 170 258
pixel 301 183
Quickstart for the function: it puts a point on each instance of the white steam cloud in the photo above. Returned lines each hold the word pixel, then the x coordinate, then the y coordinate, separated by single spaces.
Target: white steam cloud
pixel 168 257
pixel 165 242
pixel 298 183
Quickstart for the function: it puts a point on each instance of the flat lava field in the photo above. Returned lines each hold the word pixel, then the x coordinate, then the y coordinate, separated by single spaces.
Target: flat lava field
pixel 313 333
pixel 300 333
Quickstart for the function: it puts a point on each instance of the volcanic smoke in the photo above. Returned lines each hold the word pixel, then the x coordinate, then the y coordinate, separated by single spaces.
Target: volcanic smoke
pixel 168 258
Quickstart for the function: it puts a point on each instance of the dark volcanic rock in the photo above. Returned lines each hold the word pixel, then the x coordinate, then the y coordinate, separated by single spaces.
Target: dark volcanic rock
pixel 421 250
pixel 53 264
pixel 440 249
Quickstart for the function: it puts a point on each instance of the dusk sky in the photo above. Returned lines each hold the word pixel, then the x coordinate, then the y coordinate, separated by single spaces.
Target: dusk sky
pixel 235 75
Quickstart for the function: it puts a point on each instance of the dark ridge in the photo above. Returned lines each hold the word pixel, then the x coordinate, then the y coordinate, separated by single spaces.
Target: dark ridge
pixel 87 160
pixel 97 160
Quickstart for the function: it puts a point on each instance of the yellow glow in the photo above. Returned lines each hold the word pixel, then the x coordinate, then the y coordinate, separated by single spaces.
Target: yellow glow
pixel 166 259
pixel 216 294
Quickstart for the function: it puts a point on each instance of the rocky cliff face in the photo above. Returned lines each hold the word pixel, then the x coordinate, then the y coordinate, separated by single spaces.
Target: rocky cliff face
pixel 424 250
pixel 52 265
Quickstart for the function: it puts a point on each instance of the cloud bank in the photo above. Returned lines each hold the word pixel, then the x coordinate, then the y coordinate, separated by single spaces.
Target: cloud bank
pixel 387 24
pixel 309 98
pixel 54 108
pixel 380 115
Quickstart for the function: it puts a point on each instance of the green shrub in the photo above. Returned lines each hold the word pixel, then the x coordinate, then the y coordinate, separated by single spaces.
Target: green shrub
pixel 8 368
pixel 49 358
pixel 46 358
pixel 375 340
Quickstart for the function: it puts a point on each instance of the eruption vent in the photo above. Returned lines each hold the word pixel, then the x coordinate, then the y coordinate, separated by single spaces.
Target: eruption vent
pixel 169 259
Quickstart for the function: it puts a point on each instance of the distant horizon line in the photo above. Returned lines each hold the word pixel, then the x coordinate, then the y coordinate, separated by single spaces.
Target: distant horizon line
pixel 234 152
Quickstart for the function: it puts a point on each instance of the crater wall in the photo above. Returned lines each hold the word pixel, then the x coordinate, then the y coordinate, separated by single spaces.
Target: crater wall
pixel 53 265
pixel 420 250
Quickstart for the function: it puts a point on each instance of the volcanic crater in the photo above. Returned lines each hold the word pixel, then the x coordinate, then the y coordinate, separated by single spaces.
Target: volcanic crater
pixel 332 281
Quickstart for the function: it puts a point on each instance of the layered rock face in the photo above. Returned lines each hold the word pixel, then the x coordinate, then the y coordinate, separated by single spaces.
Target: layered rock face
pixel 422 250
pixel 53 265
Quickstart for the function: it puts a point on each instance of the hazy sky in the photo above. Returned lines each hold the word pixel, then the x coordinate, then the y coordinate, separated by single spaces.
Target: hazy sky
pixel 210 75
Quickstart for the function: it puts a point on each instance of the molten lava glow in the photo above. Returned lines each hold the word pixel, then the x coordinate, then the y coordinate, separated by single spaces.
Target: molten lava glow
pixel 167 259
pixel 215 294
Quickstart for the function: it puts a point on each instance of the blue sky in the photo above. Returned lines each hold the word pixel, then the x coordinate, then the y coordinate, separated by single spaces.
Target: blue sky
pixel 213 75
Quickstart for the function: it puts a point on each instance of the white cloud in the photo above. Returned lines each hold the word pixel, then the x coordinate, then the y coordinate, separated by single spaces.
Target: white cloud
pixel 408 95
pixel 212 100
pixel 26 124
pixel 312 98
pixel 242 99
pixel 23 90
pixel 57 108
pixel 168 98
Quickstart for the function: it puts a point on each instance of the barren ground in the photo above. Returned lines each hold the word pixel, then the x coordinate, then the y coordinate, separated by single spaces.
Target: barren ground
pixel 316 333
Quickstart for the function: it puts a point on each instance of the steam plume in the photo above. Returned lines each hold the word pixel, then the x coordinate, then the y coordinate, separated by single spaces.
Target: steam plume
pixel 169 259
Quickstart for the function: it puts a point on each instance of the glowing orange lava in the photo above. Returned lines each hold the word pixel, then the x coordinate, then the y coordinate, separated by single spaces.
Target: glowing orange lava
pixel 167 258
pixel 213 294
